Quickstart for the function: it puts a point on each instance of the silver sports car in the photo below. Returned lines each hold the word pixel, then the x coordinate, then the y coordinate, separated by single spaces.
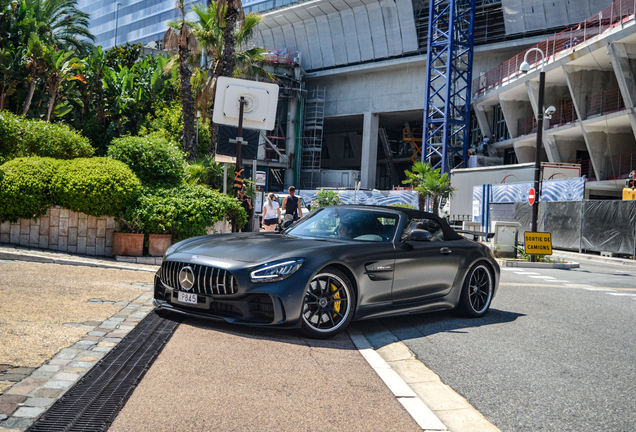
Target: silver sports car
pixel 335 265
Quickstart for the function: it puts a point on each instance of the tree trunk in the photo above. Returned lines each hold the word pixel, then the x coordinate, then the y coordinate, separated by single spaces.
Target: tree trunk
pixel 227 60
pixel 435 209
pixel 421 201
pixel 214 138
pixel 187 104
pixel 27 101
pixel 54 89
pixel 3 96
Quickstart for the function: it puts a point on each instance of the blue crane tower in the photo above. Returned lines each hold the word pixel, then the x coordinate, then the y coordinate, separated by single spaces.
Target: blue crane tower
pixel 446 129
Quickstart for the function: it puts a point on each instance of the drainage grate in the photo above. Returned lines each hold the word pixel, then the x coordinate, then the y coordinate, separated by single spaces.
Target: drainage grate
pixel 93 402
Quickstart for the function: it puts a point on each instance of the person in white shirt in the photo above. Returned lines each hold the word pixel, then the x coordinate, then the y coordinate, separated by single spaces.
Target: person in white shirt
pixel 271 213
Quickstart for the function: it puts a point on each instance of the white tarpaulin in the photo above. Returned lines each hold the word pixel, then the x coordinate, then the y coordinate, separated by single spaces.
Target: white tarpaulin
pixel 522 16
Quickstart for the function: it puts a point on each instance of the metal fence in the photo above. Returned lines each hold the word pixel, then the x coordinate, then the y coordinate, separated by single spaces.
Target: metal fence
pixel 564 114
pixel 619 12
pixel 526 125
pixel 619 166
pixel 589 225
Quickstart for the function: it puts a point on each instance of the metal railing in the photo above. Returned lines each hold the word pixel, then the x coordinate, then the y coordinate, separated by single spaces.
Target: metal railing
pixel 604 102
pixel 620 166
pixel 526 125
pixel 587 169
pixel 564 114
pixel 619 12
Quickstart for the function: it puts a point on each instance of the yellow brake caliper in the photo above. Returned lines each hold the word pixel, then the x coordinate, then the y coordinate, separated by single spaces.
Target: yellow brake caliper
pixel 336 305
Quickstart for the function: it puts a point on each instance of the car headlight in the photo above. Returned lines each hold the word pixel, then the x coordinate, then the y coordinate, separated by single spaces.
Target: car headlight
pixel 276 271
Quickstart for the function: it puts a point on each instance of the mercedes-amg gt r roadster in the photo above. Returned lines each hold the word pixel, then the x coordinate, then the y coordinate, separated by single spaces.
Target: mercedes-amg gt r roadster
pixel 337 264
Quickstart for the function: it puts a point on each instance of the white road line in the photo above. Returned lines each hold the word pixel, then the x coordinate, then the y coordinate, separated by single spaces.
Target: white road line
pixel 579 285
pixel 525 273
pixel 598 289
pixel 542 277
pixel 621 294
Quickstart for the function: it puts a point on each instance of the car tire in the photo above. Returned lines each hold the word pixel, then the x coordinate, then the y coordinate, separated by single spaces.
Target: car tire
pixel 328 304
pixel 477 291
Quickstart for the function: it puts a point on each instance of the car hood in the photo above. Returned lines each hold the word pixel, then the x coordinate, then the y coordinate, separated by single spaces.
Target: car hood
pixel 253 247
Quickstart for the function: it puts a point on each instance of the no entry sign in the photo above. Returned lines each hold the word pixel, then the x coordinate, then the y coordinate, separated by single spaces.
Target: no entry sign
pixel 531 196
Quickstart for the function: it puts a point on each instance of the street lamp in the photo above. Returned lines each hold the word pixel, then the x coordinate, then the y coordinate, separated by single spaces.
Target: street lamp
pixel 525 67
pixel 116 22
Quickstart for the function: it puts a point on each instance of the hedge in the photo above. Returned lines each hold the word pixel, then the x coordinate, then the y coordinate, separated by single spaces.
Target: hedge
pixel 154 159
pixel 21 137
pixel 25 187
pixel 95 186
pixel 184 211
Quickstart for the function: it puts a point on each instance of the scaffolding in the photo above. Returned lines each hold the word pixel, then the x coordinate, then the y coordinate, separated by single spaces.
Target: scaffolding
pixel 312 137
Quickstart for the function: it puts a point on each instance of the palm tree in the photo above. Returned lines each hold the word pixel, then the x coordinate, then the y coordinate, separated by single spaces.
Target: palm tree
pixel 209 32
pixel 180 38
pixel 428 183
pixel 63 24
pixel 60 68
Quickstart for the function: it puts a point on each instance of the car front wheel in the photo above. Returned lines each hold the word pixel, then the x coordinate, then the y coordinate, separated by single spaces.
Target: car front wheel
pixel 328 305
pixel 477 291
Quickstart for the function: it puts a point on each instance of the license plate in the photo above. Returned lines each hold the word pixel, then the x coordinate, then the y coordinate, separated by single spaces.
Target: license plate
pixel 187 298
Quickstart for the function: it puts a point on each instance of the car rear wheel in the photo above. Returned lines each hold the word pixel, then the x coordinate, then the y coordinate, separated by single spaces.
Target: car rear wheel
pixel 477 291
pixel 328 305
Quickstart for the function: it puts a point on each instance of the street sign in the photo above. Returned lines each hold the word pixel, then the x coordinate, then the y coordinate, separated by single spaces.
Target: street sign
pixel 538 243
pixel 531 196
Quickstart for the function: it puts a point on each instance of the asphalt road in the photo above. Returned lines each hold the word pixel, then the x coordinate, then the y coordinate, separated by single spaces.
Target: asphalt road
pixel 555 353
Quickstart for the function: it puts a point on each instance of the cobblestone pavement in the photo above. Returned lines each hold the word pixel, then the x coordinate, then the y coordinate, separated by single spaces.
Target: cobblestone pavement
pixel 26 393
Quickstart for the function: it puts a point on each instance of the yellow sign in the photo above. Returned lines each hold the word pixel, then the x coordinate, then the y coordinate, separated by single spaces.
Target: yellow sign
pixel 538 243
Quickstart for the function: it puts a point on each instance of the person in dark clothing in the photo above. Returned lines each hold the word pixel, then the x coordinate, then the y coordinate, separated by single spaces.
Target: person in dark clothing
pixel 246 202
pixel 291 205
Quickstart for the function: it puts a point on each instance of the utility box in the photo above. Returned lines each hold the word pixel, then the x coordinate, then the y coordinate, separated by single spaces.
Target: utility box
pixel 505 239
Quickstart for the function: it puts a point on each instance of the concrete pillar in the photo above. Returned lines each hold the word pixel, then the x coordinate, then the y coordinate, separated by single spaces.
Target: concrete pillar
pixel 290 142
pixel 551 149
pixel 621 55
pixel 597 144
pixel 369 160
pixel 482 119
pixel 512 111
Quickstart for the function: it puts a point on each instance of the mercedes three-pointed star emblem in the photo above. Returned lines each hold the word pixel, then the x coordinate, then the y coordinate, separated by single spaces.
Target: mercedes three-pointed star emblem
pixel 186 278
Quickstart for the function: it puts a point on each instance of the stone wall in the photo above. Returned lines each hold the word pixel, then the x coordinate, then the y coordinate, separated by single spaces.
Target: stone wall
pixel 63 230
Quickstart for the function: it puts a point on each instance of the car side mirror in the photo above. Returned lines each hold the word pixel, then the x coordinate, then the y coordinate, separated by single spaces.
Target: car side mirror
pixel 420 235
pixel 309 207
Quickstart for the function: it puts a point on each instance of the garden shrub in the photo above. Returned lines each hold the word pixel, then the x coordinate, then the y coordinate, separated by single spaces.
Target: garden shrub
pixel 154 159
pixel 326 197
pixel 184 212
pixel 25 187
pixel 22 137
pixel 95 186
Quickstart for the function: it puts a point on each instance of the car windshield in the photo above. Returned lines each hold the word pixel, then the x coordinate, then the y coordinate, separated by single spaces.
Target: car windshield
pixel 347 224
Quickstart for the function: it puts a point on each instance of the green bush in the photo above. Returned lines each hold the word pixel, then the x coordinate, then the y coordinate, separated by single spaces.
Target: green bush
pixel 20 137
pixel 25 187
pixel 154 159
pixel 184 211
pixel 95 186
pixel 326 197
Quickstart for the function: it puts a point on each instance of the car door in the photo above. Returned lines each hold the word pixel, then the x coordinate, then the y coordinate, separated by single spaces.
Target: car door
pixel 424 269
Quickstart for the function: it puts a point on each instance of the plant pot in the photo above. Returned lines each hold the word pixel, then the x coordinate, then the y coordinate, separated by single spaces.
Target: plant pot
pixel 158 244
pixel 128 244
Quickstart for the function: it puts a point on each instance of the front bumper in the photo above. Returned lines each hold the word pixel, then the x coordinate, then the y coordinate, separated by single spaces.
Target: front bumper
pixel 262 304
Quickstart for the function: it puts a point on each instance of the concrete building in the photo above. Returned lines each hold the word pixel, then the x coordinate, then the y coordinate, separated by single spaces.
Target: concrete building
pixel 369 57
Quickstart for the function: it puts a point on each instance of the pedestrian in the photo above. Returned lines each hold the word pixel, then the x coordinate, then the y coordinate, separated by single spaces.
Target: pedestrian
pixel 271 213
pixel 291 205
pixel 246 202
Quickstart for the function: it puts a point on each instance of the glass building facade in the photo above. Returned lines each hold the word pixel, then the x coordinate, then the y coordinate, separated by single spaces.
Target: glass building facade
pixel 131 21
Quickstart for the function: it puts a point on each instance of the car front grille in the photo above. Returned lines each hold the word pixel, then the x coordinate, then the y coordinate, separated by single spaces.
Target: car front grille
pixel 207 280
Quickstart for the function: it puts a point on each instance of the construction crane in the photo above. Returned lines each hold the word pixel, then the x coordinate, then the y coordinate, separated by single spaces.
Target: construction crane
pixel 448 80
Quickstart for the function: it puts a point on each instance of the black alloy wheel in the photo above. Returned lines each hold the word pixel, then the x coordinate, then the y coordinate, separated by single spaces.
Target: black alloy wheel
pixel 328 305
pixel 477 291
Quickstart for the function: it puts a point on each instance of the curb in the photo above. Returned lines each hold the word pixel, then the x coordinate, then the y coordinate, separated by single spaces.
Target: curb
pixel 76 261
pixel 594 258
pixel 528 264
pixel 422 414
